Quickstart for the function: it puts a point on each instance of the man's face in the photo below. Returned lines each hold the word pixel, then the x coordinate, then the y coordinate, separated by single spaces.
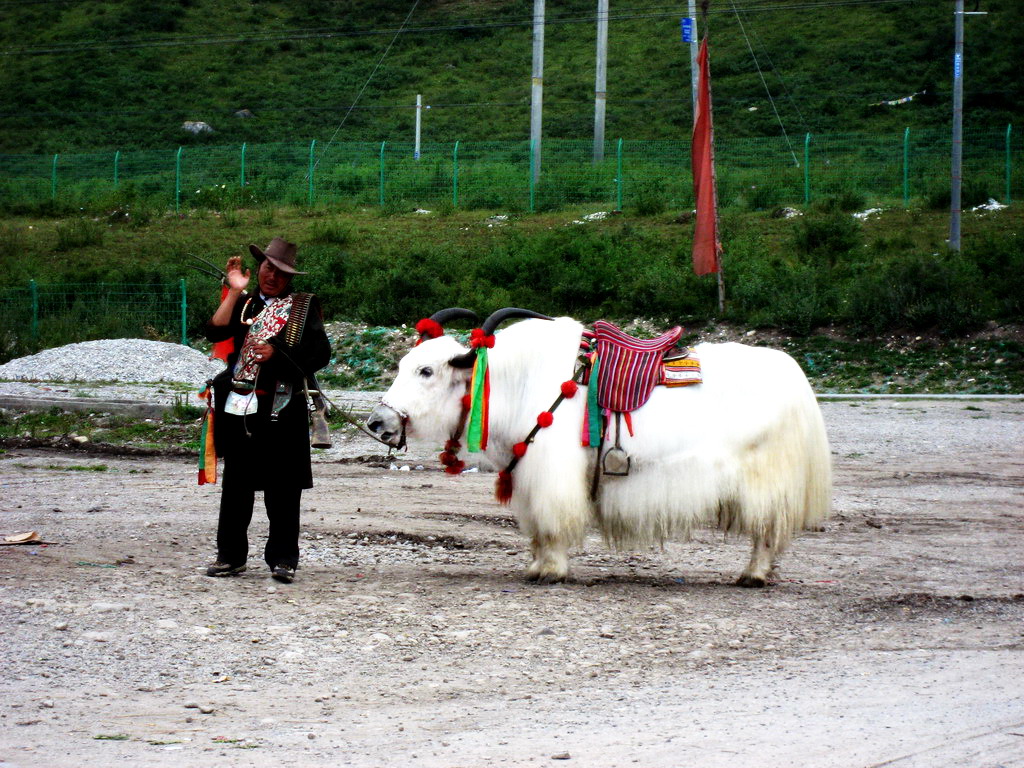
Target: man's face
pixel 272 280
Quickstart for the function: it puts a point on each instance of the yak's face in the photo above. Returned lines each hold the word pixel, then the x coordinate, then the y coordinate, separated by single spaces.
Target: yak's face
pixel 425 400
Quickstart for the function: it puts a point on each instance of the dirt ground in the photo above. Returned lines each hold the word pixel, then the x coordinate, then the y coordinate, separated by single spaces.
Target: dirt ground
pixel 894 637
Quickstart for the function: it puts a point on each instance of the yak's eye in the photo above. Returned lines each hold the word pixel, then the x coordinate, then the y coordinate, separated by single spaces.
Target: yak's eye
pixel 426 371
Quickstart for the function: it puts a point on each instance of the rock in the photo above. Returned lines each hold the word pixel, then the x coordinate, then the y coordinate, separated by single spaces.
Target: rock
pixel 206 709
pixel 191 705
pixel 196 127
pixel 562 756
pixel 546 631
pixel 99 637
pixel 245 114
pixel 107 607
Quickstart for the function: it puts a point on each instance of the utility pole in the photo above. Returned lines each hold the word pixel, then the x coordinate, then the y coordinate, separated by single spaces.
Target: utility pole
pixel 419 120
pixel 958 126
pixel 537 91
pixel 601 79
pixel 694 50
pixel 958 123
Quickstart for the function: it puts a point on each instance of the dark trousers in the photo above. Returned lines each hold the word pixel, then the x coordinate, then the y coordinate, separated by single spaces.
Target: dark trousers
pixel 237 498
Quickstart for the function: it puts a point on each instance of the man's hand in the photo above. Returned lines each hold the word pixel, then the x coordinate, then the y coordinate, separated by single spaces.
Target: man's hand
pixel 237 280
pixel 263 352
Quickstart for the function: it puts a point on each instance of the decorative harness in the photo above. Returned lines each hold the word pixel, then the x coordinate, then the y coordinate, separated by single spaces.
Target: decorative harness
pixel 648 356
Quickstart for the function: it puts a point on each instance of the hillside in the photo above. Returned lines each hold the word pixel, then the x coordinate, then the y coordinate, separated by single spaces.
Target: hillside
pixel 100 75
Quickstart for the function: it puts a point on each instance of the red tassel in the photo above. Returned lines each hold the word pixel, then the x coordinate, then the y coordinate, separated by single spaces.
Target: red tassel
pixel 519 450
pixel 503 487
pixel 545 418
pixel 569 389
pixel 456 468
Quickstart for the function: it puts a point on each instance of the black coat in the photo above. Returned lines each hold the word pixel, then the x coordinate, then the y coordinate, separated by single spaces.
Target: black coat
pixel 276 451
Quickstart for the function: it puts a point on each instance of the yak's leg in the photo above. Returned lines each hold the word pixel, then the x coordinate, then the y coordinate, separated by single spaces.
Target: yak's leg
pixel 550 560
pixel 761 565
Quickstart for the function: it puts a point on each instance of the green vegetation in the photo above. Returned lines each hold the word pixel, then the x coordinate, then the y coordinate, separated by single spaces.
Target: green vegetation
pixel 106 75
pixel 58 427
pixel 891 271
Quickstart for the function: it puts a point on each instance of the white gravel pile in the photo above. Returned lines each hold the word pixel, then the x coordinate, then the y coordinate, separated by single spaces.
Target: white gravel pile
pixel 122 360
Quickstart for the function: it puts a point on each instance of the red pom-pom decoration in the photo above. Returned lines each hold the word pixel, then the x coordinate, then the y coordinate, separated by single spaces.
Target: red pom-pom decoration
pixel 456 468
pixel 519 450
pixel 569 388
pixel 545 419
pixel 448 458
pixel 477 339
pixel 466 401
pixel 429 329
pixel 452 445
pixel 503 487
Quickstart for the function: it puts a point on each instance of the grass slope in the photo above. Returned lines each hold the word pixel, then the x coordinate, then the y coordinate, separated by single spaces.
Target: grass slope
pixel 826 65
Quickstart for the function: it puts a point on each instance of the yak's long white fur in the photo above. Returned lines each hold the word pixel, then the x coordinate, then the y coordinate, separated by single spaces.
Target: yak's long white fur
pixel 745 451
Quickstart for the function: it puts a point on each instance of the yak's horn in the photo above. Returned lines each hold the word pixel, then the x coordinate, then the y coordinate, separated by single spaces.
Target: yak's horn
pixel 489 326
pixel 432 327
pixel 443 316
pixel 508 313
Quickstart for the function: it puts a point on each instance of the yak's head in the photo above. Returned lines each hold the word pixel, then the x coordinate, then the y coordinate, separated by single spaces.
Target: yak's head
pixel 426 399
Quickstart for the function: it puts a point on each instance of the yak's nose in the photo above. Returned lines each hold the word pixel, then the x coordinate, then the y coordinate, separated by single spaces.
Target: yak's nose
pixel 384 424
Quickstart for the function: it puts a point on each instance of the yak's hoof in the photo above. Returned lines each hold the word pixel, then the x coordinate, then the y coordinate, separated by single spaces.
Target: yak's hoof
pixel 545 578
pixel 747 580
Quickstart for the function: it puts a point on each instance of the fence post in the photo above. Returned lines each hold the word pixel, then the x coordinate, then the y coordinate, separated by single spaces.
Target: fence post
pixel 807 169
pixel 34 293
pixel 53 178
pixel 184 312
pixel 117 163
pixel 381 193
pixel 906 167
pixel 312 168
pixel 533 175
pixel 177 180
pixel 455 176
pixel 241 178
pixel 1009 128
pixel 618 176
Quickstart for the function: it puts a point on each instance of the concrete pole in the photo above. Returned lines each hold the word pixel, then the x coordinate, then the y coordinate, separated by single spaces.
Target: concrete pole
pixel 537 91
pixel 958 127
pixel 419 119
pixel 601 79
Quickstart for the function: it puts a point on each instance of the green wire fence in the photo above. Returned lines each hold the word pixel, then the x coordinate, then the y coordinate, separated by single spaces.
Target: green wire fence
pixel 755 173
pixel 42 315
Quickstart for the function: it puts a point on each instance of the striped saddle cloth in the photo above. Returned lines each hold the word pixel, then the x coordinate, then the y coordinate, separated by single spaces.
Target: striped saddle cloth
pixel 629 368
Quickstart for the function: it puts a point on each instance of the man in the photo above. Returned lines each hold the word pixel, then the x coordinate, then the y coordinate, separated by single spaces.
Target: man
pixel 261 417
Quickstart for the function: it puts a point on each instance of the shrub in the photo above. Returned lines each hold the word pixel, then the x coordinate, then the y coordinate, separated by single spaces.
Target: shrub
pixel 78 233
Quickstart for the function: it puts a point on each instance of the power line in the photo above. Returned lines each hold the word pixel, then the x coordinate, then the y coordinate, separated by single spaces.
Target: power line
pixel 338 33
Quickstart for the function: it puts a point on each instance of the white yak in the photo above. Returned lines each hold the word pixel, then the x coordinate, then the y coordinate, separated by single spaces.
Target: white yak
pixel 744 451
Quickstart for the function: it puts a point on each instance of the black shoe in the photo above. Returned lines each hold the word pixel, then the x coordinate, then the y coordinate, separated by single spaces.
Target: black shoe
pixel 283 573
pixel 224 569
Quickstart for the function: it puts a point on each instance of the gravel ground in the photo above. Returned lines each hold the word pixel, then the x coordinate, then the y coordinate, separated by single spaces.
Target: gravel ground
pixel 893 637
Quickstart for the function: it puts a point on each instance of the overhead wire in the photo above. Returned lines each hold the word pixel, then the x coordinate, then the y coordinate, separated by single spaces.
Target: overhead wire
pixel 366 83
pixel 767 90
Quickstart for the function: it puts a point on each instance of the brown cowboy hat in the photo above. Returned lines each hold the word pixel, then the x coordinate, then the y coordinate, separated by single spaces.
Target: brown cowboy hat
pixel 280 253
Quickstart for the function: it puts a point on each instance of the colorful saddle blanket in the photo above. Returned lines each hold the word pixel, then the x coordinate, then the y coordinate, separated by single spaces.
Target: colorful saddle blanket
pixel 629 368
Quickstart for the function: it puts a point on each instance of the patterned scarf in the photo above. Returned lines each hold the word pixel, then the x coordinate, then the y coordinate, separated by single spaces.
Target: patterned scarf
pixel 267 324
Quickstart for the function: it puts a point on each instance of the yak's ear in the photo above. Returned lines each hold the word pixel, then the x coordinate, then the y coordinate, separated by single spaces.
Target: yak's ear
pixel 463 361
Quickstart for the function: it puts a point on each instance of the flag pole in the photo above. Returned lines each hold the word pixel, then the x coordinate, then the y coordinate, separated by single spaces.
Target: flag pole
pixel 707 248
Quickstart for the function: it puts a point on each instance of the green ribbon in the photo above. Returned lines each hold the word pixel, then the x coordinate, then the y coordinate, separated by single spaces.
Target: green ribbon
pixel 475 430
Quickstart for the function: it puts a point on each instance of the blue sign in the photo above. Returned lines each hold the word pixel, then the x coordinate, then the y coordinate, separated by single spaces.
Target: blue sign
pixel 958 65
pixel 686 27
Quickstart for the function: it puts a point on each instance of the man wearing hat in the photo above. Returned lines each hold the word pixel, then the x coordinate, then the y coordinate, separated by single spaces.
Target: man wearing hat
pixel 261 417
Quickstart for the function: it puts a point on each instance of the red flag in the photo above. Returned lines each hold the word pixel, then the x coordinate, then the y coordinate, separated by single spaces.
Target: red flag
pixel 707 249
pixel 222 349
